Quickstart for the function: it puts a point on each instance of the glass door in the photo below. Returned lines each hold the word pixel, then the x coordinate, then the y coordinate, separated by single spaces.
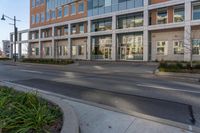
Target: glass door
pixel 107 53
pixel 122 53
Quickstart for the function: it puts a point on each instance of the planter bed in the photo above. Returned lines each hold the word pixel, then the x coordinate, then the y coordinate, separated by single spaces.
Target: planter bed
pixel 27 113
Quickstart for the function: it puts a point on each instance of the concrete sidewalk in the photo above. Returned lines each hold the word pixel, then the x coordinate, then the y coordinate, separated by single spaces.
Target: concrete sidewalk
pixel 98 120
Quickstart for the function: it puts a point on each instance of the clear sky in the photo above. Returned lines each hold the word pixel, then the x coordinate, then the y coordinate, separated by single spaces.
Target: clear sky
pixel 11 8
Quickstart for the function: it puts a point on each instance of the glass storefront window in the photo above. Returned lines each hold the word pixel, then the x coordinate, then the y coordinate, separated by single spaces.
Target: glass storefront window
pixel 162 16
pixel 179 14
pixel 102 47
pixel 130 46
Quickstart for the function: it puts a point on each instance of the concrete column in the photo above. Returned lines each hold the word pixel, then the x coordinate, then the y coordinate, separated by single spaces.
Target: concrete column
pixel 89 48
pixel 19 46
pixel 187 31
pixel 40 45
pixel 146 32
pixel 69 42
pixel 53 44
pixel 114 42
pixel 11 51
pixel 11 47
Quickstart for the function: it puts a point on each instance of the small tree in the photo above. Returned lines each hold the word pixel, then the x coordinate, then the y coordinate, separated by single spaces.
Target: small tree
pixel 188 45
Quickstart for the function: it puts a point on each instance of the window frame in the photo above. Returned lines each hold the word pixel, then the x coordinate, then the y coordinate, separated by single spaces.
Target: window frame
pixel 162 9
pixel 178 47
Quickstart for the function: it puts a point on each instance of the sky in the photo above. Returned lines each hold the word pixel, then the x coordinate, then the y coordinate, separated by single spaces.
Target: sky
pixel 11 8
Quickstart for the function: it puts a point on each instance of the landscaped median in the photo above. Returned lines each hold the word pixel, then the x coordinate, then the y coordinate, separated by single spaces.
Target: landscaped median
pixel 27 110
pixel 49 61
pixel 179 67
pixel 179 70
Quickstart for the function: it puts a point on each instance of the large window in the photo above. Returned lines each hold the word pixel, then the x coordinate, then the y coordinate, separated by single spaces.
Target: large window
pixel 162 16
pixel 162 48
pixel 196 11
pixel 37 19
pixel 179 14
pixel 47 51
pixel 97 7
pixel 48 15
pixel 33 19
pixel 59 12
pixel 73 9
pixel 130 46
pixel 102 47
pixel 33 3
pixel 42 17
pixel 102 25
pixel 196 47
pixel 178 47
pixel 81 7
pixel 77 28
pixel 130 20
pixel 53 14
pixel 66 10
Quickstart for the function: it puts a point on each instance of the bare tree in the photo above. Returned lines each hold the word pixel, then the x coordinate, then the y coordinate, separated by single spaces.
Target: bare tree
pixel 188 45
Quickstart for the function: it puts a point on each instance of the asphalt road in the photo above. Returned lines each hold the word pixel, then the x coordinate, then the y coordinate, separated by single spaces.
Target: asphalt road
pixel 127 87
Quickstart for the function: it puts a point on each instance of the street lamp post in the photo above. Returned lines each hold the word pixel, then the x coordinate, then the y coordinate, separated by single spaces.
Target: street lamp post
pixel 15 33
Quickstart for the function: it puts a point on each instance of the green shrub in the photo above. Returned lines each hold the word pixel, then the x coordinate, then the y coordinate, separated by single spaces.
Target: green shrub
pixel 4 59
pixel 25 112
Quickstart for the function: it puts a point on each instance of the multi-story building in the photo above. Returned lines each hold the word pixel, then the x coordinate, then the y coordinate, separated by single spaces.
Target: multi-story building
pixel 6 47
pixel 128 30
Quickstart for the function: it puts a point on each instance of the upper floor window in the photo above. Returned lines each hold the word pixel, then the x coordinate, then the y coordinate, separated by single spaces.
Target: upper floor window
pixel 196 11
pixel 102 24
pixel 66 10
pixel 73 9
pixel 81 28
pixel 53 14
pixel 81 7
pixel 47 15
pixel 59 12
pixel 42 17
pixel 37 19
pixel 33 19
pixel 37 2
pixel 162 16
pixel 41 2
pixel 33 3
pixel 130 20
pixel 179 14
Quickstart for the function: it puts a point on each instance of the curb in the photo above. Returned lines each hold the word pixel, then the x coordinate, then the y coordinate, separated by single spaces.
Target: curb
pixel 183 126
pixel 70 119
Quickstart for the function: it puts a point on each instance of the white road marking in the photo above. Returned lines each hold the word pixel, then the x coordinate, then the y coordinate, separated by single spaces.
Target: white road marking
pixel 29 71
pixel 166 88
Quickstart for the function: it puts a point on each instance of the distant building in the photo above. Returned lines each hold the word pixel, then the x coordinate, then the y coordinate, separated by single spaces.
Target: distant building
pixel 6 47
